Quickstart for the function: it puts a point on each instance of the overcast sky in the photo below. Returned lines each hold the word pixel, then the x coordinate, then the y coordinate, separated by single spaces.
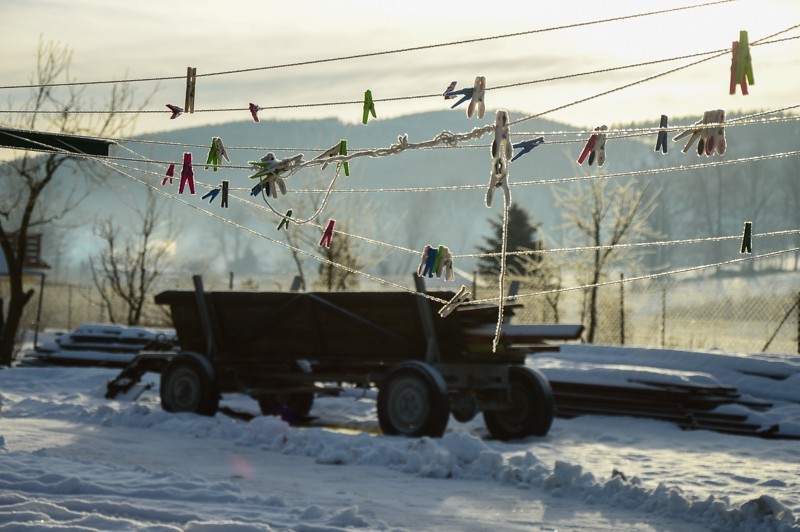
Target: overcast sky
pixel 149 38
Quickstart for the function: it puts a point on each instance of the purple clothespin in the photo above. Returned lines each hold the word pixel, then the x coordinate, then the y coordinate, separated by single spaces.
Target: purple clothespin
pixel 328 234
pixel 170 173
pixel 448 93
pixel 176 111
pixel 187 174
pixel 254 109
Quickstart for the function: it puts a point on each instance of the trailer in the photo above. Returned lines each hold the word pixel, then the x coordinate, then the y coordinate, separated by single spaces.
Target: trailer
pixel 285 348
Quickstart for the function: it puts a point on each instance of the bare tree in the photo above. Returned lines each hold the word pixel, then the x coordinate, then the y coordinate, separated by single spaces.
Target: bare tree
pixel 28 203
pixel 334 278
pixel 128 266
pixel 603 221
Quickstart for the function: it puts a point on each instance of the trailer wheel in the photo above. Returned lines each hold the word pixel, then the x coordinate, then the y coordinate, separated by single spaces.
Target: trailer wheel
pixel 412 401
pixel 188 385
pixel 290 406
pixel 532 407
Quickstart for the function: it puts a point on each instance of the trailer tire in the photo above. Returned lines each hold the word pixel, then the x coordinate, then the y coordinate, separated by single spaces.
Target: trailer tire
pixel 292 407
pixel 532 407
pixel 188 385
pixel 413 401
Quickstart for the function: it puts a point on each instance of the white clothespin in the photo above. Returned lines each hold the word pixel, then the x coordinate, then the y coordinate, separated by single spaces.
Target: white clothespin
pixel 478 93
pixel 461 297
pixel 709 138
pixel 715 135
pixel 502 136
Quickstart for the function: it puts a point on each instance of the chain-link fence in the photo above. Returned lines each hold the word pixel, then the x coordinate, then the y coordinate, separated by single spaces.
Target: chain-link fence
pixel 733 314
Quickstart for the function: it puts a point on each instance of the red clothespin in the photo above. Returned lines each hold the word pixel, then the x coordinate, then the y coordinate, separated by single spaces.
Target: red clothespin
pixel 328 234
pixel 450 88
pixel 595 147
pixel 254 109
pixel 176 111
pixel 187 174
pixel 191 82
pixel 734 67
pixel 169 175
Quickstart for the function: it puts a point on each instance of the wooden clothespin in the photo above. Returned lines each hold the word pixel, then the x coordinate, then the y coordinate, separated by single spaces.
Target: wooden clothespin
pixel 191 82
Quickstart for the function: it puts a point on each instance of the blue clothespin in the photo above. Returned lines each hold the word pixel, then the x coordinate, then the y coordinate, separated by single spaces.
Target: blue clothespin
pixel 285 220
pixel 430 262
pixel 661 143
pixel 369 107
pixel 526 145
pixel 256 190
pixel 211 195
pixel 747 238
pixel 465 93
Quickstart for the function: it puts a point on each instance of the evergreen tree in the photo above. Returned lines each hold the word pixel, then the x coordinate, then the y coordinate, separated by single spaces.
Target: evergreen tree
pixel 521 237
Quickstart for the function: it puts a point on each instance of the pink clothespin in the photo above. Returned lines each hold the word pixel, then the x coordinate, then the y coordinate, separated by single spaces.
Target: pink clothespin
pixel 461 297
pixel 170 173
pixel 187 174
pixel 176 111
pixel 450 88
pixel 328 234
pixel 478 93
pixel 254 109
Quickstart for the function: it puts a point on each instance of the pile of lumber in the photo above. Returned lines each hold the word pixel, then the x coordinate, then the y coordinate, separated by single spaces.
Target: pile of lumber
pixel 688 405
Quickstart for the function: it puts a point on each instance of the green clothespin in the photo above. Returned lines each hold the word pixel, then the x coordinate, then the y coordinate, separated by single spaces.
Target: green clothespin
pixel 216 153
pixel 343 151
pixel 747 238
pixel 285 220
pixel 369 107
pixel 439 255
pixel 744 64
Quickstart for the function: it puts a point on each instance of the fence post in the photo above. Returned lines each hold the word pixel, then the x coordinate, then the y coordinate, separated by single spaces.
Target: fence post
pixel 798 323
pixel 663 316
pixel 69 307
pixel 622 309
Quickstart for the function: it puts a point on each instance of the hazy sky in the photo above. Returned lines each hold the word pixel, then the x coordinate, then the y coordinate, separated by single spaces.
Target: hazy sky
pixel 148 38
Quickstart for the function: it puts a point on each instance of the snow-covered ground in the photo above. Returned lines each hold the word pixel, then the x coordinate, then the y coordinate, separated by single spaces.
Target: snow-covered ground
pixel 72 460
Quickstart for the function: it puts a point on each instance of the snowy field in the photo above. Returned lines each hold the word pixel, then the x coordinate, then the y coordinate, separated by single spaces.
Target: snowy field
pixel 72 460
